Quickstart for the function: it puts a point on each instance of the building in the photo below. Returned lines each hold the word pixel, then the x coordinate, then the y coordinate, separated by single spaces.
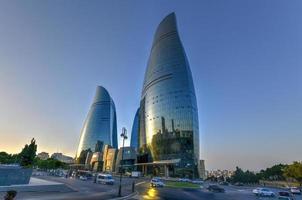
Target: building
pixel 109 159
pixel 128 161
pixel 63 158
pixel 96 161
pixel 220 173
pixel 202 169
pixel 135 130
pixel 43 155
pixel 168 117
pixel 100 125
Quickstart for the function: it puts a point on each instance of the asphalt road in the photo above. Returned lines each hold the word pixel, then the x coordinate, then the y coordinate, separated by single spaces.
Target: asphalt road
pixel 232 193
pixel 90 191
pixel 82 190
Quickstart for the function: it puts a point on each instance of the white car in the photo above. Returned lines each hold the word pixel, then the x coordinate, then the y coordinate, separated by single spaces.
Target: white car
pixel 200 182
pixel 105 179
pixel 295 190
pixel 263 192
pixel 83 178
pixel 156 183
pixel 184 180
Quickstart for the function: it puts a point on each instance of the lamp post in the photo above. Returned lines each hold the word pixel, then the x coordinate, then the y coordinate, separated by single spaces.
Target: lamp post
pixel 124 136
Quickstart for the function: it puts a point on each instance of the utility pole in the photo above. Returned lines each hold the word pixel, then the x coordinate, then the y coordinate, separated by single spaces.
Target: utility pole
pixel 124 136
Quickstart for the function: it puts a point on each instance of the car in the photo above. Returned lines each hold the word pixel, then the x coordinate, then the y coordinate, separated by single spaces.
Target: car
pixel 197 181
pixel 263 192
pixel 158 178
pixel 295 190
pixel 224 183
pixel 128 174
pixel 184 180
pixel 238 184
pixel 105 179
pixel 285 195
pixel 83 178
pixel 215 188
pixel 156 183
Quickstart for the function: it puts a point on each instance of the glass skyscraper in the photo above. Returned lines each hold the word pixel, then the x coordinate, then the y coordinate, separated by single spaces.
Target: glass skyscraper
pixel 100 125
pixel 168 117
pixel 135 130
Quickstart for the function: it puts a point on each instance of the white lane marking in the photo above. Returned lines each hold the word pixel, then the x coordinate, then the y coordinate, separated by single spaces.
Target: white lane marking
pixel 140 183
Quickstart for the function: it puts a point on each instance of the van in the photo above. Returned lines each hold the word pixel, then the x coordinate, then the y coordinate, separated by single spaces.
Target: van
pixel 105 179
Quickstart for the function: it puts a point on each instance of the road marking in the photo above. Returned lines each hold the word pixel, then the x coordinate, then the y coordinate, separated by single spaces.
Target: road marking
pixel 140 183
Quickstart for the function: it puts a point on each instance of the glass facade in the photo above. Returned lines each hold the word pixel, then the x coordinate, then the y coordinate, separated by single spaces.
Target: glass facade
pixel 168 115
pixel 100 125
pixel 135 130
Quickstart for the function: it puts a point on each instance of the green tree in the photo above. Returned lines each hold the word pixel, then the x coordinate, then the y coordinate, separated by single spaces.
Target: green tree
pixel 244 176
pixel 294 171
pixel 273 173
pixel 28 154
pixel 50 163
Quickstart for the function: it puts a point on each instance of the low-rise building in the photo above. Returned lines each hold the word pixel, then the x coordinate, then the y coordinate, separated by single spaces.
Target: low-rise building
pixel 109 159
pixel 128 161
pixel 43 155
pixel 63 158
pixel 201 169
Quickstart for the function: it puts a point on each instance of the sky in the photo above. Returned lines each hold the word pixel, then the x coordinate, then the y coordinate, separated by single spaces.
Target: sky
pixel 245 57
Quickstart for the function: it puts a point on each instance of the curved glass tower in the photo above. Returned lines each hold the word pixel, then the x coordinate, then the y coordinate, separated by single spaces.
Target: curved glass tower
pixel 168 109
pixel 100 124
pixel 135 130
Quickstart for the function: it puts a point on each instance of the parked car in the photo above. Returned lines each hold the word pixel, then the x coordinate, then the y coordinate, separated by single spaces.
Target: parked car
pixel 105 179
pixel 83 178
pixel 224 183
pixel 263 192
pixel 285 195
pixel 156 183
pixel 197 181
pixel 238 184
pixel 184 180
pixel 215 188
pixel 128 174
pixel 295 190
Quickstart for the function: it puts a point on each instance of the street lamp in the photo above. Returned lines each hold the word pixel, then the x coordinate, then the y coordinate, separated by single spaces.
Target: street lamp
pixel 124 136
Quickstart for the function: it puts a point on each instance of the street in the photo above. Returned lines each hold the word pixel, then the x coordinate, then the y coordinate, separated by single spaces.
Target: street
pixel 232 193
pixel 81 190
pixel 87 190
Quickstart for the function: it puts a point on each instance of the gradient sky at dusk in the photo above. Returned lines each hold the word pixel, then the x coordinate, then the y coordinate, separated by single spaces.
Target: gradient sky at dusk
pixel 245 56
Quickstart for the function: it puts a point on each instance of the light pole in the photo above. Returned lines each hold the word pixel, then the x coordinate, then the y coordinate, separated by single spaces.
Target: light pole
pixel 124 136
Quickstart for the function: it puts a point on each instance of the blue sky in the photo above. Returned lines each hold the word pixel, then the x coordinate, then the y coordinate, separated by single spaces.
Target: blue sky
pixel 245 57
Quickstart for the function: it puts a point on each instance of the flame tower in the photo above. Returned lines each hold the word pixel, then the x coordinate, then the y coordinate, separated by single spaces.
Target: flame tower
pixel 168 118
pixel 100 124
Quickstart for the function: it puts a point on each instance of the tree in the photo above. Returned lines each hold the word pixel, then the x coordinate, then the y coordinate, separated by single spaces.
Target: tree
pixel 238 175
pixel 244 177
pixel 6 158
pixel 294 171
pixel 50 163
pixel 273 173
pixel 28 154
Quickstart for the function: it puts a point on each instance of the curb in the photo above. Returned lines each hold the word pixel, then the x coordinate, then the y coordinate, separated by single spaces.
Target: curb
pixel 126 197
